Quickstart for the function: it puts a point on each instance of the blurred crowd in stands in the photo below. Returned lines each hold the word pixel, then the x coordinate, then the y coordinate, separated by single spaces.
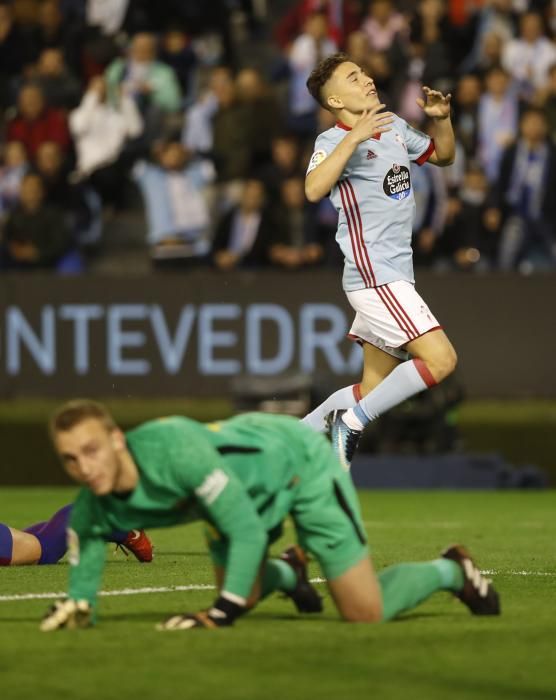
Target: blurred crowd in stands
pixel 197 113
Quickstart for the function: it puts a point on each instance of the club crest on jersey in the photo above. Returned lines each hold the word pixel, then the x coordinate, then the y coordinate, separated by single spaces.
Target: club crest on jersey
pixel 371 155
pixel 397 182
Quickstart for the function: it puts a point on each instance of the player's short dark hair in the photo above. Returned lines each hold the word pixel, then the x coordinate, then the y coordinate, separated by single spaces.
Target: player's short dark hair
pixel 322 74
pixel 74 412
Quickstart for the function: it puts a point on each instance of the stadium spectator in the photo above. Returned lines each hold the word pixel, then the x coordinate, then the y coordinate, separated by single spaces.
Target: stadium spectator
pixel 109 17
pixel 60 88
pixel 14 167
pixel 235 121
pixel 494 27
pixel 35 235
pixel 466 112
pixel 296 243
pixel 15 53
pixel 467 243
pixel 384 25
pixel 429 189
pixel 197 134
pixel 262 112
pixel 433 41
pixel 174 193
pixel 50 25
pixel 231 142
pixel 94 53
pixel 358 47
pixel 529 57
pixel 306 51
pixel 498 119
pixel 492 53
pixel 412 87
pixel 546 99
pixel 80 205
pixel 343 18
pixel 178 53
pixel 523 198
pixel 246 235
pixel 101 130
pixel 284 164
pixel 53 31
pixel 35 122
pixel 150 82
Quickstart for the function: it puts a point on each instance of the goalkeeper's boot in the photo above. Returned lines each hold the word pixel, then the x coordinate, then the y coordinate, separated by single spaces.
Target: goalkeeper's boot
pixel 477 592
pixel 344 440
pixel 304 596
pixel 138 543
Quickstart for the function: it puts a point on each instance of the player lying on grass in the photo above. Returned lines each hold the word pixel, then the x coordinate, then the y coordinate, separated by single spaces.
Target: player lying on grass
pixel 242 476
pixel 46 542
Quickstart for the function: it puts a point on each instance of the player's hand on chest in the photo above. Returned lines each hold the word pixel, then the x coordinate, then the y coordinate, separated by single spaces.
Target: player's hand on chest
pixel 375 157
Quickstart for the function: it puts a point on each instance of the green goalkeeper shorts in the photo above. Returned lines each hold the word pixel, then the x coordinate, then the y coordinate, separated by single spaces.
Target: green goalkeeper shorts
pixel 326 516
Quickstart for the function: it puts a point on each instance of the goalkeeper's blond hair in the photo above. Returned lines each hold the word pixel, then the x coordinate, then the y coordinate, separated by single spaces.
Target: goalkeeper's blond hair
pixel 76 411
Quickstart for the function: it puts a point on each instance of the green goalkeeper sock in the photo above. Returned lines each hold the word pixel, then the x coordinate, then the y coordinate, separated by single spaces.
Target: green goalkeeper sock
pixel 404 586
pixel 277 576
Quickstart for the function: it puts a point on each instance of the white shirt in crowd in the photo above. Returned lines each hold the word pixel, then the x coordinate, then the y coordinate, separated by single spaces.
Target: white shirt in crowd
pixel 529 62
pixel 101 129
pixel 106 14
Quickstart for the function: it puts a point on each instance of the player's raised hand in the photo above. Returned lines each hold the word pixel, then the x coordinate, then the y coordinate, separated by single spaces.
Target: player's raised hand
pixel 437 105
pixel 67 614
pixel 372 121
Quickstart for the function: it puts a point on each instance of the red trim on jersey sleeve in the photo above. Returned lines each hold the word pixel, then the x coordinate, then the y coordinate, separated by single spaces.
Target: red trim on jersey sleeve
pixel 345 127
pixel 427 154
pixel 357 392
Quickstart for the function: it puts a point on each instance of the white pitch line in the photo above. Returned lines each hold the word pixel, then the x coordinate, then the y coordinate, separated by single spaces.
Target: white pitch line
pixel 122 591
pixel 382 525
pixel 492 572
pixel 208 587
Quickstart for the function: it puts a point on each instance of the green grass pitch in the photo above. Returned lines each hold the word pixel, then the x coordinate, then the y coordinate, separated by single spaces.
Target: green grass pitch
pixel 438 651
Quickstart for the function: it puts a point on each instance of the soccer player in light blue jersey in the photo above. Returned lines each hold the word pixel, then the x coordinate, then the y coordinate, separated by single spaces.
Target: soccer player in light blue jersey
pixel 363 165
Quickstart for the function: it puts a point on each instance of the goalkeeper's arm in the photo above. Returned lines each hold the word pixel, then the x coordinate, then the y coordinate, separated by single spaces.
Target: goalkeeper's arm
pixel 86 566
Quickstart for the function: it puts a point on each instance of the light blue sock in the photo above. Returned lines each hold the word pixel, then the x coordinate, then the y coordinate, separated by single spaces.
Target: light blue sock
pixel 404 381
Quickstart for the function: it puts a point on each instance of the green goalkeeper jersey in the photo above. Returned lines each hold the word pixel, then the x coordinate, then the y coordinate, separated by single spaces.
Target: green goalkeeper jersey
pixel 240 475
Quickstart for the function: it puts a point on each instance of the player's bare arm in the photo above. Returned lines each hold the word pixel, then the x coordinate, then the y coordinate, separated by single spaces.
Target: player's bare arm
pixel 437 107
pixel 320 181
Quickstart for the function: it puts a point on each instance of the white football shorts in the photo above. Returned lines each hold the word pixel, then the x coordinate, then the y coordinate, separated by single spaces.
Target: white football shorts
pixel 390 316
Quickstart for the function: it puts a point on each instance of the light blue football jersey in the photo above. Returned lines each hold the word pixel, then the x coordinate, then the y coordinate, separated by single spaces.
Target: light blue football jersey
pixel 375 203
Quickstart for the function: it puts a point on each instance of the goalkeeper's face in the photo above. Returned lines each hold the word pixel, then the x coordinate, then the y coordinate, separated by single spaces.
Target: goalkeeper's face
pixel 91 454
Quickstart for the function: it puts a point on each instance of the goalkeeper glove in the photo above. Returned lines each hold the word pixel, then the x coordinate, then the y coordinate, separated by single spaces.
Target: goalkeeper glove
pixel 68 614
pixel 222 614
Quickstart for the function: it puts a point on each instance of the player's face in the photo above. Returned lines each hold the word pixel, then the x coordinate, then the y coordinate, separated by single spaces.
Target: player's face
pixel 90 454
pixel 351 88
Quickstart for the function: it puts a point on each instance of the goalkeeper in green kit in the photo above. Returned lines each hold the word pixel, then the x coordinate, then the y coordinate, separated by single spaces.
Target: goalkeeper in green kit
pixel 243 477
